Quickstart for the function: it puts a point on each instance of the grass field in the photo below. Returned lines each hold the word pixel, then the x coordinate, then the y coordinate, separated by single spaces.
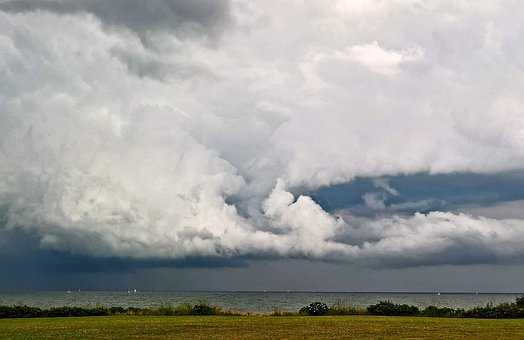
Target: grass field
pixel 259 327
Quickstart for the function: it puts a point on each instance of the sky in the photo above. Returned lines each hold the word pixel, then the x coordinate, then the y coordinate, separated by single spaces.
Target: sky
pixel 246 145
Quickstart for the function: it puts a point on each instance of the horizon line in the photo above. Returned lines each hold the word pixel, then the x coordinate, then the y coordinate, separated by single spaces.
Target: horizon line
pixel 254 291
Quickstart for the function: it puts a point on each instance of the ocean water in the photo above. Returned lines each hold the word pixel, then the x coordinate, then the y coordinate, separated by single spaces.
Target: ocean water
pixel 256 302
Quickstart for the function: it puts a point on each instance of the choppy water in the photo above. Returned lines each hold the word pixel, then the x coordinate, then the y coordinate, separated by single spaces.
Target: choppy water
pixel 259 302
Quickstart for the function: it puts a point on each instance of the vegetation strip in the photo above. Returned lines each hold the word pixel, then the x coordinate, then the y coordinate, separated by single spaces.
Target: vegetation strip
pixel 384 308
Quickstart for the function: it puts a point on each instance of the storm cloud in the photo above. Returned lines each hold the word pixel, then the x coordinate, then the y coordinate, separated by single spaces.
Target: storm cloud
pixel 145 141
pixel 207 17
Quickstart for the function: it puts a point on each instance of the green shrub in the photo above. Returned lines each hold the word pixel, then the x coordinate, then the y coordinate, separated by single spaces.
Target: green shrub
pixel 441 312
pixel 391 309
pixel 203 308
pixel 135 311
pixel 67 311
pixel 75 311
pixel 314 309
pixel 19 312
pixel 502 311
pixel 183 309
pixel 167 310
pixel 117 310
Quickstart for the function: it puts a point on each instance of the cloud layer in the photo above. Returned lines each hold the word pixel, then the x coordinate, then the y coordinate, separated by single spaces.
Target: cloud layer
pixel 125 132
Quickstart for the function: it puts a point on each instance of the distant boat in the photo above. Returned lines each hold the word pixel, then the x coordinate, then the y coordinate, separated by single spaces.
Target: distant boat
pixel 134 291
pixel 68 292
pixel 438 293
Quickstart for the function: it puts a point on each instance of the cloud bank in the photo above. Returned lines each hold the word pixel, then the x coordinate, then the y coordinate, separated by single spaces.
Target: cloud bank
pixel 125 133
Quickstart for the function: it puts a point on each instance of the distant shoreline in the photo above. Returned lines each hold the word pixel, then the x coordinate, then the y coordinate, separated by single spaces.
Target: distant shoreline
pixel 265 291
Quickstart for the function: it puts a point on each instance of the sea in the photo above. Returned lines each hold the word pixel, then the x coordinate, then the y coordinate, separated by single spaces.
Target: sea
pixel 247 302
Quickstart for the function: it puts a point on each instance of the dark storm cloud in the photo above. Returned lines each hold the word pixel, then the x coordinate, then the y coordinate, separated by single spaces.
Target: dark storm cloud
pixel 461 252
pixel 21 253
pixel 185 16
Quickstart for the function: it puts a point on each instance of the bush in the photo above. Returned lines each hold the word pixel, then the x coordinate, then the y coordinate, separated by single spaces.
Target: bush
pixel 441 312
pixel 502 311
pixel 75 311
pixel 391 309
pixel 315 309
pixel 32 312
pixel 167 310
pixel 117 310
pixel 203 309
pixel 134 311
pixel 19 312
pixel 67 311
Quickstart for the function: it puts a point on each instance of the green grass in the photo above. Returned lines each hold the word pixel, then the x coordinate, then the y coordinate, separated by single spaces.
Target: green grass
pixel 259 327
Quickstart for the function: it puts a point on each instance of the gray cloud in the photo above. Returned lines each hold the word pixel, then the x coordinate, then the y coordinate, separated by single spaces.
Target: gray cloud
pixel 434 239
pixel 500 210
pixel 22 254
pixel 185 17
pixel 178 19
pixel 144 63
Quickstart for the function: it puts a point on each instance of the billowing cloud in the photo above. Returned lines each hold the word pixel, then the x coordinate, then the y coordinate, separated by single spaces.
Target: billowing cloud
pixel 436 238
pixel 381 61
pixel 183 17
pixel 179 148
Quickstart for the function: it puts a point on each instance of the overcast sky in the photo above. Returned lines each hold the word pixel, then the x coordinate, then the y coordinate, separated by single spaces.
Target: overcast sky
pixel 228 144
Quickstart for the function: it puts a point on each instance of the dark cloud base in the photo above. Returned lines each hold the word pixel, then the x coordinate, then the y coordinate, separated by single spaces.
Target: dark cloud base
pixel 24 253
pixel 21 250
